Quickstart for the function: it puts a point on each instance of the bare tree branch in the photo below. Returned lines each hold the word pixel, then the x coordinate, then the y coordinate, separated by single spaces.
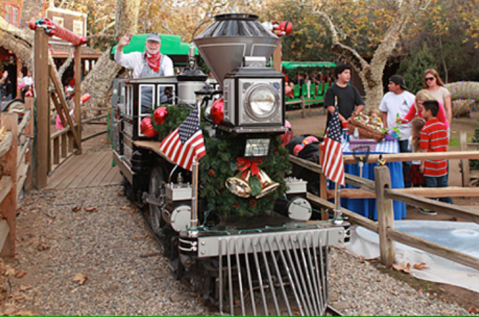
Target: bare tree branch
pixel 346 52
pixel 67 63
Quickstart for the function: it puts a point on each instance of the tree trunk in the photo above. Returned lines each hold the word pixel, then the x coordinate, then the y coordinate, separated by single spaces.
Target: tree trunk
pixel 32 9
pixel 126 17
pixel 98 81
pixel 371 73
pixel 22 49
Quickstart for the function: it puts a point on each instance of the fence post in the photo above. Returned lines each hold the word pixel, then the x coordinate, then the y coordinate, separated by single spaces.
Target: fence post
pixel 78 71
pixel 29 134
pixel 303 106
pixel 385 215
pixel 42 117
pixel 9 205
pixel 466 173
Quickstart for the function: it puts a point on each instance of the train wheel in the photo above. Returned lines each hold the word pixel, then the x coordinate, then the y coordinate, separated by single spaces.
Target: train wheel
pixel 156 191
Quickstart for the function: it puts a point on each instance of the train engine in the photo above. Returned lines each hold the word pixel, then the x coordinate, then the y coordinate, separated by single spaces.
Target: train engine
pixel 233 223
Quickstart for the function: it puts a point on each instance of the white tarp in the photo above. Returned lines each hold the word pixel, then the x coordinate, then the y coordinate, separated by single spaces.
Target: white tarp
pixel 460 236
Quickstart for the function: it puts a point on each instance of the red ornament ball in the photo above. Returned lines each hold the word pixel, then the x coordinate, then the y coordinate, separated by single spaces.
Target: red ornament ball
pixel 217 111
pixel 160 114
pixel 147 129
pixel 286 27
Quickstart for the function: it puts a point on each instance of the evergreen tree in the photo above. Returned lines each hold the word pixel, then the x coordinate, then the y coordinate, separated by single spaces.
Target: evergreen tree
pixel 412 68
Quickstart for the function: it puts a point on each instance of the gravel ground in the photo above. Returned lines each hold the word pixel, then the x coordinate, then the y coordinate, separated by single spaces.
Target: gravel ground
pixel 110 246
pixel 357 287
pixel 125 275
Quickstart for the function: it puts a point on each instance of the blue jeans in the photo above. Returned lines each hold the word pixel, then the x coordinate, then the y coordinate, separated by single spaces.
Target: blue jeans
pixel 435 182
pixel 406 166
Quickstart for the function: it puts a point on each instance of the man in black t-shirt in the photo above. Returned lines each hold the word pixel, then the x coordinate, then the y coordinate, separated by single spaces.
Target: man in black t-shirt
pixel 349 99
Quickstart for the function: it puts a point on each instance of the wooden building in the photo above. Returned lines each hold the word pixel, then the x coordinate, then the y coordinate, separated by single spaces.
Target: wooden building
pixel 19 12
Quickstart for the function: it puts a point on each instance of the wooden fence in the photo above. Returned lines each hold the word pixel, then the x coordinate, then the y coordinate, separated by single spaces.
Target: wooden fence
pixel 16 161
pixel 384 194
pixel 62 143
pixel 304 104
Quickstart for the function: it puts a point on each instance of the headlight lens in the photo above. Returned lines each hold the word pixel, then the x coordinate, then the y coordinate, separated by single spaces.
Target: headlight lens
pixel 262 101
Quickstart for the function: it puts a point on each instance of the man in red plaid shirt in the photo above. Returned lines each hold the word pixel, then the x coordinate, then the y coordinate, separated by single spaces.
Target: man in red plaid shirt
pixel 434 138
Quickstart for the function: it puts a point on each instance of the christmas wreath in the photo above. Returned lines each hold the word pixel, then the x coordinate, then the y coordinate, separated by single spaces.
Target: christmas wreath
pixel 220 163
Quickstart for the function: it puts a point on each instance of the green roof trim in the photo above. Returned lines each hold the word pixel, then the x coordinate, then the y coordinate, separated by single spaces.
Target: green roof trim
pixel 170 45
pixel 295 65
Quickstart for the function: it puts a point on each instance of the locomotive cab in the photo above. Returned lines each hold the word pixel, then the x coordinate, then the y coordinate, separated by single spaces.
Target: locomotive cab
pixel 137 98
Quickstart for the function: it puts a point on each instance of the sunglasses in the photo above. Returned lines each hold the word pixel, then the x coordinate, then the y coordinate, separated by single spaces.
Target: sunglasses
pixel 429 78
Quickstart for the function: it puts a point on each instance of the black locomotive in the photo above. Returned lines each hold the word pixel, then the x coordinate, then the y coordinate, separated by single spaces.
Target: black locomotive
pixel 274 261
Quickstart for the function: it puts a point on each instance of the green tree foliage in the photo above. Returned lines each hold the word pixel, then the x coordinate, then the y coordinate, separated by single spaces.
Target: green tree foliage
pixel 451 30
pixel 412 68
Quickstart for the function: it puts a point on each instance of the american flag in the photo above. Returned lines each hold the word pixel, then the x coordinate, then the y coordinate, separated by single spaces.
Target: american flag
pixel 333 166
pixel 185 142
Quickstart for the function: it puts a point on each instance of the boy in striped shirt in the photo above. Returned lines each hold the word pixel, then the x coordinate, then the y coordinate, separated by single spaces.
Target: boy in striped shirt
pixel 433 138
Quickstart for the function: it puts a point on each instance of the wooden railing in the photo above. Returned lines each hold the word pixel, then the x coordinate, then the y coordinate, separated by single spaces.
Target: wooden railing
pixel 304 103
pixel 63 143
pixel 15 157
pixel 25 146
pixel 384 194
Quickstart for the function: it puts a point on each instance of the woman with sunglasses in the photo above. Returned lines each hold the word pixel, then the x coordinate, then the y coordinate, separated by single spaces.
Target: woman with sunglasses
pixel 434 84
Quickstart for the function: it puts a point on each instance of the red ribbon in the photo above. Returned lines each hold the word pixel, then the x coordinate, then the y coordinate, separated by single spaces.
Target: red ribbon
pixel 244 163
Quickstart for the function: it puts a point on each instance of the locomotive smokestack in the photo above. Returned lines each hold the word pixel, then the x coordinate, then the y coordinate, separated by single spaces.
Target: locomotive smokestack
pixel 231 37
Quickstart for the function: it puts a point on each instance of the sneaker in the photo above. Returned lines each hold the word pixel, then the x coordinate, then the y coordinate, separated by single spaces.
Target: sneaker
pixel 427 212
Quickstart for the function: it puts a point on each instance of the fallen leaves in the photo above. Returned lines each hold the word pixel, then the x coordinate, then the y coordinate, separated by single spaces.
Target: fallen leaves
pixel 10 271
pixel 25 313
pixel 80 278
pixel 402 267
pixel 12 311
pixel 88 209
pixel 406 267
pixel 421 266
pixel 23 288
pixel 126 207
pixel 472 309
pixel 42 245
pixel 21 274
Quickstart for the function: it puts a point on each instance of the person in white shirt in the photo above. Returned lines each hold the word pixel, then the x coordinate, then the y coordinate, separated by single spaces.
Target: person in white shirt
pixel 396 102
pixel 28 80
pixel 150 63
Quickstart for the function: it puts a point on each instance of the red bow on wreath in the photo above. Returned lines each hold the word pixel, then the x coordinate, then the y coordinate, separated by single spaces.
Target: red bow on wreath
pixel 243 164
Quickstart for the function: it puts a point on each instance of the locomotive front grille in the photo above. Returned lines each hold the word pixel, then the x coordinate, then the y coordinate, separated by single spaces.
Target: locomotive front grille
pixel 280 273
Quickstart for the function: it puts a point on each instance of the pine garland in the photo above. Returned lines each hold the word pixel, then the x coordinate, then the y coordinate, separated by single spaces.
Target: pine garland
pixel 220 163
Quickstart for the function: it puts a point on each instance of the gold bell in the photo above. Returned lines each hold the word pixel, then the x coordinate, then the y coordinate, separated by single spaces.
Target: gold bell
pixel 239 184
pixel 267 183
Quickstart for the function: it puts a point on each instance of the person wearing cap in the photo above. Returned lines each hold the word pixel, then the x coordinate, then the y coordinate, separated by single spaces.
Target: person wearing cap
pixel 396 103
pixel 150 63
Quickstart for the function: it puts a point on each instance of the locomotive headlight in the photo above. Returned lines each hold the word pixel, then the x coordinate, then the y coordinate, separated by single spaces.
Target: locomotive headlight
pixel 262 101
